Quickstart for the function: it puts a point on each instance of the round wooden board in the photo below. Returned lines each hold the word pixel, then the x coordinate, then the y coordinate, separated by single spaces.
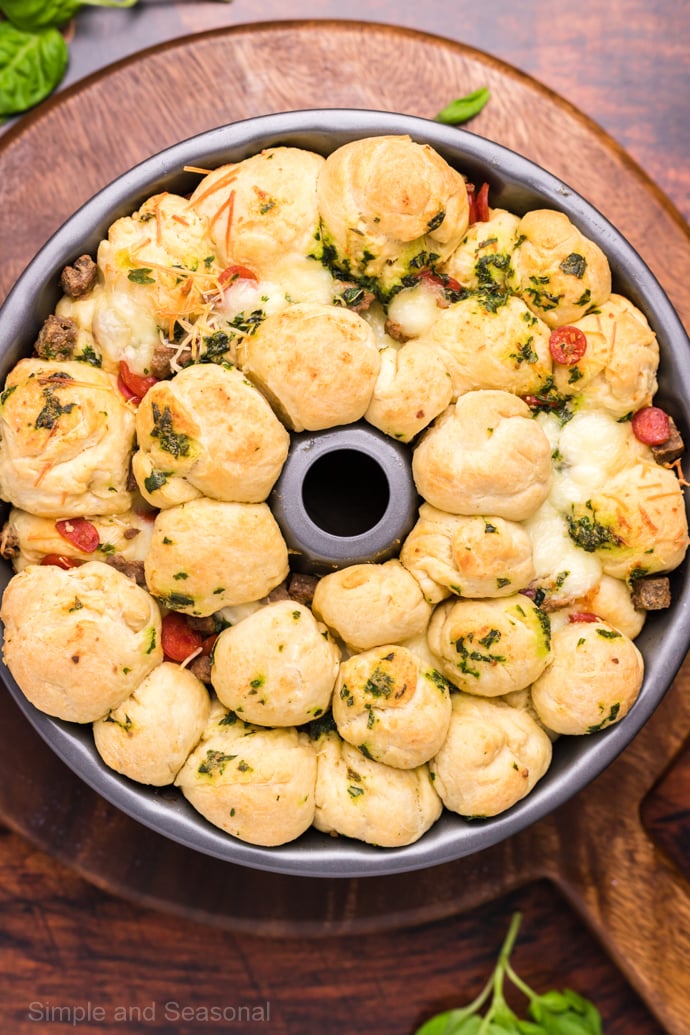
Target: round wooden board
pixel 594 847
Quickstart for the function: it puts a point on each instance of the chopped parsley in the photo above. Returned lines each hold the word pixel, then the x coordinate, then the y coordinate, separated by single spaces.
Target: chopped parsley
pixel 142 275
pixel 175 443
pixel 574 264
pixel 590 534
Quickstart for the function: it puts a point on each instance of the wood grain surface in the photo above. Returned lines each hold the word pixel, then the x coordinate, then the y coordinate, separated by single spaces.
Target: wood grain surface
pixel 605 897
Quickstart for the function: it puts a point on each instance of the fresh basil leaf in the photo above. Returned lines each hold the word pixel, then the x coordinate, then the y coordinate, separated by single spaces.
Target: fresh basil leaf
pixel 32 64
pixel 464 108
pixel 452 1022
pixel 586 1008
pixel 554 1001
pixel 44 14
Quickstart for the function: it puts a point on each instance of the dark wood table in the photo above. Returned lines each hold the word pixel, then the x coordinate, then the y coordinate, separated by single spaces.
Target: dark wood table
pixel 108 930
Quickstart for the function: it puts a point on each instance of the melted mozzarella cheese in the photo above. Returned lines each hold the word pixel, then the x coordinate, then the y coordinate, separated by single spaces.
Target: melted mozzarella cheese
pixel 561 568
pixel 414 310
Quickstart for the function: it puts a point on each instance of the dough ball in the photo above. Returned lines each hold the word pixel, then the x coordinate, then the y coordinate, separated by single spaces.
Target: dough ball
pixel 208 554
pixel 387 205
pixel 367 605
pixel 482 259
pixel 412 388
pixel 316 364
pixel 79 641
pixel 592 681
pixel 124 539
pixel 255 783
pixel 369 801
pixel 262 211
pixel 65 440
pixel 636 524
pixel 492 758
pixel 277 667
pixel 211 429
pixel 558 271
pixel 492 342
pixel 149 736
pixel 490 647
pixel 470 556
pixel 391 706
pixel 484 455
pixel 618 370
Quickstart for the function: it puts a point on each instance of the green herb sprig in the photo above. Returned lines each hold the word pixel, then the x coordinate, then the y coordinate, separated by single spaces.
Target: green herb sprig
pixel 553 1013
pixel 464 108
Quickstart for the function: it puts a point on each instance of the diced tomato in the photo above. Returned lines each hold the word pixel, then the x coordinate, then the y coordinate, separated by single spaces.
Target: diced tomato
pixel 179 640
pixel 80 533
pixel 59 560
pixel 583 616
pixel 232 273
pixel 482 203
pixel 567 345
pixel 478 202
pixel 131 385
pixel 208 644
pixel 651 425
pixel 441 280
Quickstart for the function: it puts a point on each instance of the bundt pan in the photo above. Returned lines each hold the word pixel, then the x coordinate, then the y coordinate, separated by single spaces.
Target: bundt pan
pixel 516 184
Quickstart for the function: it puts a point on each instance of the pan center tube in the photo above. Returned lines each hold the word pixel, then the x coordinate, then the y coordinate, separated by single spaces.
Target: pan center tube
pixel 345 496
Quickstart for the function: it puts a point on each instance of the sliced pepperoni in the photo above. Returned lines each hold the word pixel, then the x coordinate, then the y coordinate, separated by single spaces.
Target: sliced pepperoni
pixel 80 533
pixel 178 639
pixel 651 425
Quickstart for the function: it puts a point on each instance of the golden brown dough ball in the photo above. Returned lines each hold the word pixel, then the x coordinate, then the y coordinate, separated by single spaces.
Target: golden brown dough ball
pixel 316 364
pixel 412 388
pixel 635 524
pixel 482 259
pixel 386 203
pixel 367 605
pixel 212 431
pixel 255 783
pixel 369 801
pixel 558 271
pixel 469 556
pixel 592 681
pixel 485 345
pixel 392 706
pixel 149 736
pixel 493 757
pixel 122 537
pixel 618 370
pixel 209 554
pixel 263 211
pixel 484 455
pixel 277 667
pixel 490 647
pixel 79 641
pixel 65 440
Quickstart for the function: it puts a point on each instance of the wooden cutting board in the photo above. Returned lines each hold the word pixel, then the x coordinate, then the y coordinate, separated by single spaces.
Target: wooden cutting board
pixel 595 849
